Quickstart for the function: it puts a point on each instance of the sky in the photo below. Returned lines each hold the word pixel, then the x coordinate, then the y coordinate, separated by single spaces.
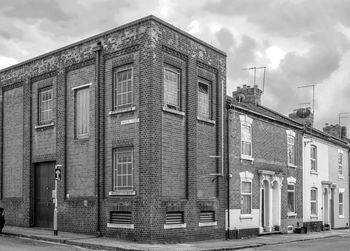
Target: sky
pixel 300 42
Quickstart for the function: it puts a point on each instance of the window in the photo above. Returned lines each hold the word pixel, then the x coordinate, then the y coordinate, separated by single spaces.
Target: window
pixel 171 88
pixel 341 204
pixel 291 150
pixel 313 158
pixel 123 169
pixel 120 217
pixel 204 103
pixel 123 88
pixel 246 137
pixel 246 197
pixel 207 216
pixel 340 163
pixel 291 198
pixel 313 201
pixel 45 105
pixel 82 113
pixel 174 218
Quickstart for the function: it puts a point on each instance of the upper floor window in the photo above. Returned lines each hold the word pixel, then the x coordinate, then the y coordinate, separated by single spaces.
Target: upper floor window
pixel 172 88
pixel 340 163
pixel 204 102
pixel 45 105
pixel 246 136
pixel 291 147
pixel 246 192
pixel 123 88
pixel 313 157
pixel 313 201
pixel 82 112
pixel 123 169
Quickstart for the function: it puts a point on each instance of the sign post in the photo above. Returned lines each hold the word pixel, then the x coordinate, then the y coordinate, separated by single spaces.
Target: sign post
pixel 57 178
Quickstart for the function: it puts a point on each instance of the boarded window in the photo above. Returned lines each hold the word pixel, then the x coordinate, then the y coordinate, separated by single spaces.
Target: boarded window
pixel 340 163
pixel 117 217
pixel 174 218
pixel 172 88
pixel 204 101
pixel 45 105
pixel 123 88
pixel 82 104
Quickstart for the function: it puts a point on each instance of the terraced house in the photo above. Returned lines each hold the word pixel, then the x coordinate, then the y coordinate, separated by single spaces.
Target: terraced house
pixel 132 115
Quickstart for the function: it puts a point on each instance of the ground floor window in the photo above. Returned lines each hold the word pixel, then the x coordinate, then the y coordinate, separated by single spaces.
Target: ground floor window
pixel 341 204
pixel 291 198
pixel 313 201
pixel 246 197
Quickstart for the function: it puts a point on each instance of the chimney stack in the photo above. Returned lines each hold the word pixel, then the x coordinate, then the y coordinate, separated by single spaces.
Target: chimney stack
pixel 336 130
pixel 303 116
pixel 247 94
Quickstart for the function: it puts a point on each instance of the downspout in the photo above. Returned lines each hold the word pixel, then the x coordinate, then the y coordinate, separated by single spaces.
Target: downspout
pixel 228 173
pixel 98 50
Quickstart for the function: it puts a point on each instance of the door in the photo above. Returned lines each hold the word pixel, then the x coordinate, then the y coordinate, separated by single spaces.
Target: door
pixel 44 184
pixel 262 207
pixel 332 208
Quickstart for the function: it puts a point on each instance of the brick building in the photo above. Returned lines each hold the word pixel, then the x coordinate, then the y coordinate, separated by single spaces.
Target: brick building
pixel 133 116
pixel 265 160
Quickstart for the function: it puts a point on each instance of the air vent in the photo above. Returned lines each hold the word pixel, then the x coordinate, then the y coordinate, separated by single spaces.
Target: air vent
pixel 120 217
pixel 207 216
pixel 174 218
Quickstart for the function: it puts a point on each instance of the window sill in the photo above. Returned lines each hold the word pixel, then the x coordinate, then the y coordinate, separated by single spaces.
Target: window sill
pixel 122 193
pixel 174 226
pixel 209 121
pixel 290 214
pixel 113 225
pixel 166 109
pixel 246 216
pixel 207 224
pixel 341 217
pixel 314 172
pixel 341 177
pixel 44 126
pixel 123 110
pixel 245 157
pixel 292 165
pixel 314 216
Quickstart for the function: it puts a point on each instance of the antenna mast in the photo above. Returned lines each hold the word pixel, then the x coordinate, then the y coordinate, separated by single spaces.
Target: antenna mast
pixel 313 101
pixel 257 68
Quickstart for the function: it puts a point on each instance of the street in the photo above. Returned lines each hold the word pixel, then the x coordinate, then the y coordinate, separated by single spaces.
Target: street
pixel 339 243
pixel 9 243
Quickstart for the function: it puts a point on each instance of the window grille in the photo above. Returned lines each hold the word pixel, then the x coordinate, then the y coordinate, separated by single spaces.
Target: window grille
pixel 174 218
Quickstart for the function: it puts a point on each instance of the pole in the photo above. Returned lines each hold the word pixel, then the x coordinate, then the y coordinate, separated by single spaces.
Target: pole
pixel 55 231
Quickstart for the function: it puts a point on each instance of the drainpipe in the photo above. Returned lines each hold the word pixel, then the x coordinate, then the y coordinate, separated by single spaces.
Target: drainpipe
pixel 98 51
pixel 228 173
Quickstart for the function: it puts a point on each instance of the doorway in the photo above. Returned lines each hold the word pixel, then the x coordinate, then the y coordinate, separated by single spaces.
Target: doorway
pixel 44 184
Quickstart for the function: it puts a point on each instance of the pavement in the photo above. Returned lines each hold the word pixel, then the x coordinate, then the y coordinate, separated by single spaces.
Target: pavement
pixel 104 243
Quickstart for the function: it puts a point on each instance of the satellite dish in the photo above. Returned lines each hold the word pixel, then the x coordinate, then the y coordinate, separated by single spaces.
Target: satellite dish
pixel 303 112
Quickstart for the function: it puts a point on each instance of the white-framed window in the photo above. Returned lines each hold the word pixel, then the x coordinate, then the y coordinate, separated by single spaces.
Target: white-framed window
pixel 82 112
pixel 246 192
pixel 340 162
pixel 341 203
pixel 123 169
pixel 204 99
pixel 313 201
pixel 291 194
pixel 313 158
pixel 45 105
pixel 246 136
pixel 122 87
pixel 291 147
pixel 172 88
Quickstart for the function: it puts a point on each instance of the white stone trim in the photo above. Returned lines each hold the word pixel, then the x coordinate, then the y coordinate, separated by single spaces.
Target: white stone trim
pixel 246 176
pixel 173 226
pixel 81 86
pixel 207 224
pixel 291 180
pixel 245 119
pixel 341 190
pixel 290 133
pixel 113 225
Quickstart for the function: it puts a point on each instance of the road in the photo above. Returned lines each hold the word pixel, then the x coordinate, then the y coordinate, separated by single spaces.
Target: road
pixel 341 243
pixel 9 243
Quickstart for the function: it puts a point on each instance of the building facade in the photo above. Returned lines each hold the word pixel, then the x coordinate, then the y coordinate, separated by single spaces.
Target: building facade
pixel 265 160
pixel 132 116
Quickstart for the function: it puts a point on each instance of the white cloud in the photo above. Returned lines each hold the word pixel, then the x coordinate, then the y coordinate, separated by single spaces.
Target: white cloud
pixel 6 62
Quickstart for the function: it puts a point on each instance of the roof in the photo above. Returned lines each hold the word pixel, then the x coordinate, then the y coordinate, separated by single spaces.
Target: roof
pixel 89 39
pixel 272 115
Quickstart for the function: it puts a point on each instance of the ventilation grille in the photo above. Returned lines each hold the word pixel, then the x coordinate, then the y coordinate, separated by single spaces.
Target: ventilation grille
pixel 174 218
pixel 120 217
pixel 207 216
